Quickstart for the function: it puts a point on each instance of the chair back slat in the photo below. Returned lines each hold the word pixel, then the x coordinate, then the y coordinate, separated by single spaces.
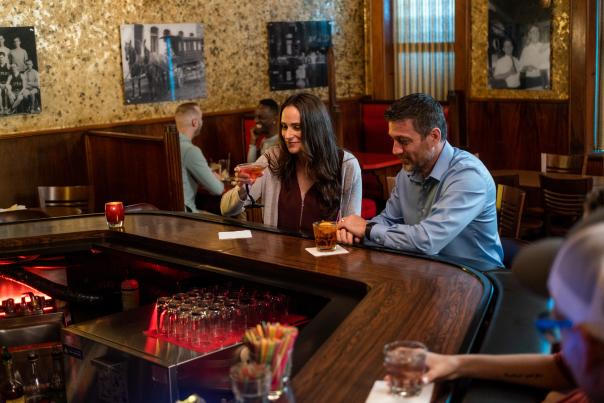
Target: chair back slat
pixel 564 164
pixel 511 205
pixel 563 200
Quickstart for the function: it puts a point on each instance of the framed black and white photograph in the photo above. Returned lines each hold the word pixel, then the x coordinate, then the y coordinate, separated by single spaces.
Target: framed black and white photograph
pixel 162 62
pixel 298 54
pixel 19 78
pixel 519 38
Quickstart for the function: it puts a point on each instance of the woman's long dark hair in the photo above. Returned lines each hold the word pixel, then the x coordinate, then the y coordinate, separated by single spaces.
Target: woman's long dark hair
pixel 320 149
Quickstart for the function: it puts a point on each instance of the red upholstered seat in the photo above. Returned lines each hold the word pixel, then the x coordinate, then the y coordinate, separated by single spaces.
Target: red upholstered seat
pixel 368 209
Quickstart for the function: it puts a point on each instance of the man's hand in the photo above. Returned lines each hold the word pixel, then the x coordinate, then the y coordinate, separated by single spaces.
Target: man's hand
pixel 351 229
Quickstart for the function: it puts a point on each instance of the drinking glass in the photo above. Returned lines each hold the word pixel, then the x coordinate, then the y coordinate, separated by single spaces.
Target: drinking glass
pixel 405 364
pixel 114 214
pixel 325 235
pixel 253 170
pixel 224 168
pixel 161 309
pixel 250 382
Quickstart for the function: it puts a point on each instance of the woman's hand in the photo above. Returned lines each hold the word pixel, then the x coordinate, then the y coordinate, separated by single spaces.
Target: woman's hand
pixel 441 367
pixel 241 179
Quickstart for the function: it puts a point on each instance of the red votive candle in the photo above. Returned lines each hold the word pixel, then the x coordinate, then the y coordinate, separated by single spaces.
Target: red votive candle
pixel 114 214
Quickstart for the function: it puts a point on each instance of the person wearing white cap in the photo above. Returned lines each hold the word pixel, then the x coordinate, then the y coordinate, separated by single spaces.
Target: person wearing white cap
pixel 576 284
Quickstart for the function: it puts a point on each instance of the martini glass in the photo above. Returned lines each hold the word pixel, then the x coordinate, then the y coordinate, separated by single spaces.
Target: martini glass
pixel 253 170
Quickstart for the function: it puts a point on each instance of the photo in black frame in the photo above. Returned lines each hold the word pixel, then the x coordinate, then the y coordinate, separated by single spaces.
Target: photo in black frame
pixel 519 54
pixel 163 62
pixel 19 77
pixel 298 54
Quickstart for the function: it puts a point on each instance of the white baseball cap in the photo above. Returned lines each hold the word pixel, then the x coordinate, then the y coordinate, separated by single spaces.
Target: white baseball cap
pixel 576 280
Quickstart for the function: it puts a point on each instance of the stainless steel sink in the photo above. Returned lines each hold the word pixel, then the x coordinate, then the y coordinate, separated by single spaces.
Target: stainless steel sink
pixel 31 329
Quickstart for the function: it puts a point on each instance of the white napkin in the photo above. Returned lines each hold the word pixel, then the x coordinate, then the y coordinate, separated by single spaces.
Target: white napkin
pixel 338 251
pixel 13 207
pixel 380 393
pixel 235 234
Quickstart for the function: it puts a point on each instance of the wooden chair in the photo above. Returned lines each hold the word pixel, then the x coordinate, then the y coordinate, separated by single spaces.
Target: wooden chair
pixel 66 196
pixel 254 215
pixel 20 215
pixel 510 203
pixel 563 200
pixel 564 164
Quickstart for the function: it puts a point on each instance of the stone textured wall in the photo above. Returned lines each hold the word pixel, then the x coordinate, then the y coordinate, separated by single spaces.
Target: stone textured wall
pixel 79 56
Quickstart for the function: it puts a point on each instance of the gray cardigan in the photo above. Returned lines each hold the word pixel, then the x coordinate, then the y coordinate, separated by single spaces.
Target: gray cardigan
pixel 267 188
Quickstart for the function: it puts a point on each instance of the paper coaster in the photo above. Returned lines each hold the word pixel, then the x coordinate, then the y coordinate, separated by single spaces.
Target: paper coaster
pixel 380 393
pixel 338 251
pixel 235 234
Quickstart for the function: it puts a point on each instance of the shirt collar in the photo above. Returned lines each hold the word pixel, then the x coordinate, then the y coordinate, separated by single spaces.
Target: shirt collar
pixel 184 137
pixel 439 169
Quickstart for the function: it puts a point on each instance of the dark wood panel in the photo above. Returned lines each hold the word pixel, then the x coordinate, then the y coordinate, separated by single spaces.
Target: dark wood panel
pixel 381 54
pixel 220 135
pixel 135 169
pixel 350 115
pixel 31 161
pixel 513 134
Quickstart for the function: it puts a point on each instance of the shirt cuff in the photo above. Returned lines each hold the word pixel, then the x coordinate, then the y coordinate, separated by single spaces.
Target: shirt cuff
pixel 376 233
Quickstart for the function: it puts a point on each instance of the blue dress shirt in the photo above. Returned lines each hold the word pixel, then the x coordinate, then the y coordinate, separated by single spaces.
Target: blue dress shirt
pixel 451 213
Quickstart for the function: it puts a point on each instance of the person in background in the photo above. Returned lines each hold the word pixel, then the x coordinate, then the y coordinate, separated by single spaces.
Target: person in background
pixel 18 55
pixel 5 72
pixel 14 86
pixel 507 67
pixel 195 169
pixel 307 176
pixel 444 198
pixel 576 284
pixel 535 60
pixel 266 118
pixel 3 48
pixel 31 86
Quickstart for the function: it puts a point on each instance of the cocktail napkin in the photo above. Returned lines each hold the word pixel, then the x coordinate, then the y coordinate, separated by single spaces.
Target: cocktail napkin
pixel 380 393
pixel 235 234
pixel 338 251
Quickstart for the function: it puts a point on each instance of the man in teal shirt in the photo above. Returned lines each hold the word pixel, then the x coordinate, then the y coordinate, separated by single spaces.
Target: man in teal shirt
pixel 444 199
pixel 195 169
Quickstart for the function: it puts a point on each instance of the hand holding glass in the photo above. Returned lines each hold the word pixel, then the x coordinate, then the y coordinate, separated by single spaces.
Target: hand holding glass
pixel 246 174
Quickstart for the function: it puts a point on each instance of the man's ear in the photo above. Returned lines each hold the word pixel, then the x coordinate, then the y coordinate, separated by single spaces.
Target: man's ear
pixel 594 350
pixel 435 135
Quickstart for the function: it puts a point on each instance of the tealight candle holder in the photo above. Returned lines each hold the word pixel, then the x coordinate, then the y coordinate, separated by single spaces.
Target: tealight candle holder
pixel 114 214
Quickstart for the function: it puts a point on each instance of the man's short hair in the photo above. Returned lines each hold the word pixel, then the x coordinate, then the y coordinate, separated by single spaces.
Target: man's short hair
pixel 424 111
pixel 187 108
pixel 271 104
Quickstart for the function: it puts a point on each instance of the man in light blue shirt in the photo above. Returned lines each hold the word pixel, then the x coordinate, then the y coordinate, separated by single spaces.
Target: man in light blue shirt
pixel 195 169
pixel 444 199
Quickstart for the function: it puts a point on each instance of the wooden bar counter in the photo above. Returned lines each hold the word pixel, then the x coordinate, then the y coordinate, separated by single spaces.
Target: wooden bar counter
pixel 407 297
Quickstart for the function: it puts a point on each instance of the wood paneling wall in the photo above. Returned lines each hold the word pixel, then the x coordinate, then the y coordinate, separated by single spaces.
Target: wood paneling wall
pixel 59 157
pixel 508 133
pixel 135 168
pixel 46 159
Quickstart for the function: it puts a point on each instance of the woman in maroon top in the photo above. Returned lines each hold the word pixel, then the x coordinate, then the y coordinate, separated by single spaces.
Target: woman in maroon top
pixel 308 177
